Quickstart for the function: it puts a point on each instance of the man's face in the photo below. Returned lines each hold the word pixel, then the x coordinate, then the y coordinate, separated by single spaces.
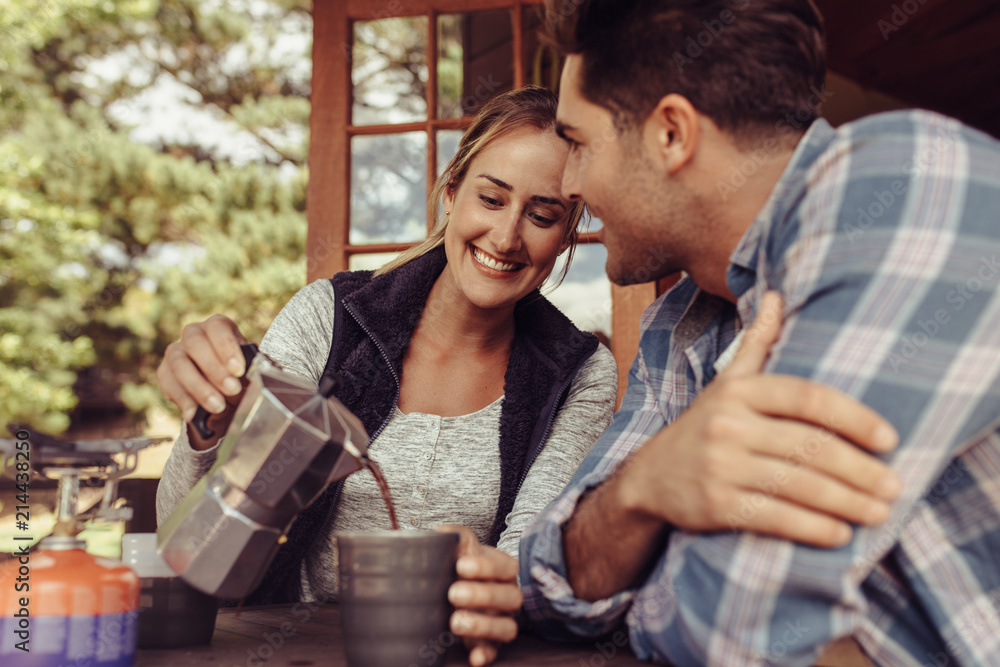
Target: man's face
pixel 613 173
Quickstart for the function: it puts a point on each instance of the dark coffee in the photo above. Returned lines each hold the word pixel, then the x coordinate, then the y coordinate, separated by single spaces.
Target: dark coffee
pixel 383 486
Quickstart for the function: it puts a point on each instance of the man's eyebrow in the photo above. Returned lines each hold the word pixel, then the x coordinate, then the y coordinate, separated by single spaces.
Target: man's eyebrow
pixel 497 182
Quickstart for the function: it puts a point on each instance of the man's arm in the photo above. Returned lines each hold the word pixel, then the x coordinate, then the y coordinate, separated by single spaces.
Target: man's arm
pixel 616 549
pixel 698 472
pixel 879 314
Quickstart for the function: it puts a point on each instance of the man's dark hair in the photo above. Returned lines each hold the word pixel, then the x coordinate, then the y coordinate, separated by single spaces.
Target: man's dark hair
pixel 746 64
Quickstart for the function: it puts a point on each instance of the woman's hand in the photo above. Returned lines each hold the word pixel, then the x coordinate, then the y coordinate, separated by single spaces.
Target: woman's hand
pixel 486 597
pixel 203 368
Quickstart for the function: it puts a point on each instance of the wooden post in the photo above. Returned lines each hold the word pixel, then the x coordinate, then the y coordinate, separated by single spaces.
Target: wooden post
pixel 329 192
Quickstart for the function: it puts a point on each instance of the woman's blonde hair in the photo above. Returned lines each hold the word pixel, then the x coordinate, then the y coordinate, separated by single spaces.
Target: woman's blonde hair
pixel 531 106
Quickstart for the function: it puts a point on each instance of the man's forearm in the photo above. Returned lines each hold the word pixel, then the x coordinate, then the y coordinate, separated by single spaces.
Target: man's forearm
pixel 608 546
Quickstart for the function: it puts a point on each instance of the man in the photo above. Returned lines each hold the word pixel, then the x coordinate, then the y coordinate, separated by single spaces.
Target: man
pixel 693 129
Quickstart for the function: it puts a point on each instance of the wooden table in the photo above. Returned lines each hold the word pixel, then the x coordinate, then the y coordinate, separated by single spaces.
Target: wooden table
pixel 301 635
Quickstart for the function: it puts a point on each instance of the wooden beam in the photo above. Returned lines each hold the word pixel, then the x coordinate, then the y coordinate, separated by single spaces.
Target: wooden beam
pixel 328 195
pixel 416 126
pixel 370 10
pixel 518 45
pixel 627 304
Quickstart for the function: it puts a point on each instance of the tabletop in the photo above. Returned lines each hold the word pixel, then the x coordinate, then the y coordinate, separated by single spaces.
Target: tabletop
pixel 306 634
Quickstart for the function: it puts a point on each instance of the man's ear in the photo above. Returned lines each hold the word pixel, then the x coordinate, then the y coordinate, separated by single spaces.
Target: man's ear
pixel 671 132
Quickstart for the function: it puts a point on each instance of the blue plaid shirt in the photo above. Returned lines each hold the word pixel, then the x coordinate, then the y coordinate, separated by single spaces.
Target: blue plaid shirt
pixel 883 237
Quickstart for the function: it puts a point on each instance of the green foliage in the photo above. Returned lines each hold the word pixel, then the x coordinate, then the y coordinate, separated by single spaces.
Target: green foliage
pixel 108 246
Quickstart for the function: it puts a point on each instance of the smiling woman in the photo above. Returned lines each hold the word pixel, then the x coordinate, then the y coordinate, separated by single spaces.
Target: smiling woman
pixel 509 220
pixel 482 397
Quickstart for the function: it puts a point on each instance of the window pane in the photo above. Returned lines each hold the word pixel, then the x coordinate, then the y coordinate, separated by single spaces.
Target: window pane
pixel 447 146
pixel 388 188
pixel 541 64
pixel 389 71
pixel 370 262
pixel 475 60
pixel 592 224
pixel 585 295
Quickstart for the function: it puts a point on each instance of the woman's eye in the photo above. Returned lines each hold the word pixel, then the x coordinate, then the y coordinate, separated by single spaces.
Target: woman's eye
pixel 543 219
pixel 490 200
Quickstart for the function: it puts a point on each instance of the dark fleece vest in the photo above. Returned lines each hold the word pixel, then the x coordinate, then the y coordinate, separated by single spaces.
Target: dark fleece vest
pixel 374 320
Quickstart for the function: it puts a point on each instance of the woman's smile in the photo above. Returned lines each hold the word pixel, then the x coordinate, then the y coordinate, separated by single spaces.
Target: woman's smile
pixel 491 262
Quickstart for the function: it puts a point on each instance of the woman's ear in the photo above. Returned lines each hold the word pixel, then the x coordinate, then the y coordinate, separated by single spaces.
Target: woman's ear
pixel 448 199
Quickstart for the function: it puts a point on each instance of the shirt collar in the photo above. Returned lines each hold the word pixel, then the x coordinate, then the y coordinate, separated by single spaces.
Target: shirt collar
pixel 742 272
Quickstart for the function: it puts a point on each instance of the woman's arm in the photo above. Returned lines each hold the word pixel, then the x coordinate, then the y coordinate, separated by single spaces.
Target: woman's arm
pixel 487 596
pixel 298 339
pixel 582 418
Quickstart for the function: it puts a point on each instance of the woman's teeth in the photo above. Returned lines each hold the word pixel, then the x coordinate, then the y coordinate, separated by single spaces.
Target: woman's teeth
pixel 486 260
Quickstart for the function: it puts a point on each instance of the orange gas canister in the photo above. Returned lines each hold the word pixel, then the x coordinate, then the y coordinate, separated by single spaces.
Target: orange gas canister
pixel 63 606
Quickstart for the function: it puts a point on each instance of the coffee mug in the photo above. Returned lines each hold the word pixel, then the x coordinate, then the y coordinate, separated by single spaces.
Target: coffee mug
pixel 172 613
pixel 394 608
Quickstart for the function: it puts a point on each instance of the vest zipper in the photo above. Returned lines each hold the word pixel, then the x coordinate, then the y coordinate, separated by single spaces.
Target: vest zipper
pixel 340 487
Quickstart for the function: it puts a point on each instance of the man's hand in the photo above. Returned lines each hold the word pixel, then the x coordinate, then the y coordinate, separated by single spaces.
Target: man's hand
pixel 203 368
pixel 766 453
pixel 486 597
pixel 773 454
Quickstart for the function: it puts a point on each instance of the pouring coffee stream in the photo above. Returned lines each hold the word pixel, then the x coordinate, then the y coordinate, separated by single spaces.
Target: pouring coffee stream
pixel 288 440
pixel 383 487
pixel 328 384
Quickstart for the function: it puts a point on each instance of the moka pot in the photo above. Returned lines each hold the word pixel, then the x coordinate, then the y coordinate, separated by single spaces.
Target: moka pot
pixel 286 443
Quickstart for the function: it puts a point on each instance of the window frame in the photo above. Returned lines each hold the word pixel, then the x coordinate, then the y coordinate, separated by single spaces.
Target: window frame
pixel 328 247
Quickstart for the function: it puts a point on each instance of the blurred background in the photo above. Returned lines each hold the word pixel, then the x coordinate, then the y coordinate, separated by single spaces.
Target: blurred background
pixel 153 166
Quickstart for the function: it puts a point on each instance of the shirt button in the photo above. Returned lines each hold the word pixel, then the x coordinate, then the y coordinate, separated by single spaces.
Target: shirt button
pixel 427 456
pixel 414 523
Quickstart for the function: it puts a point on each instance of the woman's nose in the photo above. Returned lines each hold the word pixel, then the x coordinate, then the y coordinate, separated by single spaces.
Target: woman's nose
pixel 507 234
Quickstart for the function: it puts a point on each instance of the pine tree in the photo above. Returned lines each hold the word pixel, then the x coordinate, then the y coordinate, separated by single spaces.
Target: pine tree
pixel 111 241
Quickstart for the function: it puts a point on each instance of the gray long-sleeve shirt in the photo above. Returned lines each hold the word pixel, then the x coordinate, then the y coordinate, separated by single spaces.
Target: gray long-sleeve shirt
pixel 441 470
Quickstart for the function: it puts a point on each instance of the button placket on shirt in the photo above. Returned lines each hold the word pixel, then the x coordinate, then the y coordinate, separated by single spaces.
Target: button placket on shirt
pixel 433 427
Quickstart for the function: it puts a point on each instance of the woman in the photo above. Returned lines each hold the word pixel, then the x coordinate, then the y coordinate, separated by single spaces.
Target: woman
pixel 480 397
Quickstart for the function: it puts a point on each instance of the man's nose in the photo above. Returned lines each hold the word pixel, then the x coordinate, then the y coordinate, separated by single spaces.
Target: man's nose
pixel 571 178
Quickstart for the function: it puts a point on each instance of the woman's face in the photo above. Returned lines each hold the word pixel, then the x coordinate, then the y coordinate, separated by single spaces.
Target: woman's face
pixel 507 219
